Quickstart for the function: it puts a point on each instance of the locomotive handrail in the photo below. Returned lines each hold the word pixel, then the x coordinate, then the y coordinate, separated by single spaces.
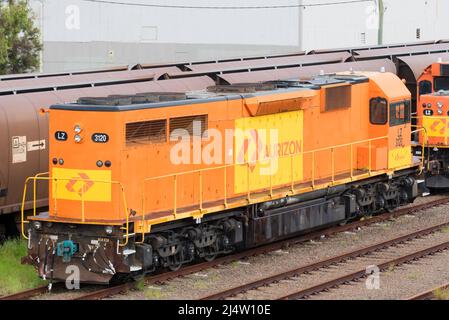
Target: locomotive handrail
pixel 446 136
pixel 248 164
pixel 34 189
pixel 423 146
pixel 38 177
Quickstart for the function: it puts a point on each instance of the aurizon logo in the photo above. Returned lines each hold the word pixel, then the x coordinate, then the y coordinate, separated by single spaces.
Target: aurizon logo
pixel 86 184
pixel 436 126
pixel 264 151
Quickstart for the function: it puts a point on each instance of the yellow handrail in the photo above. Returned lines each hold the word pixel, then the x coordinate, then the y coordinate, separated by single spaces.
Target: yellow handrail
pixel 249 163
pixel 34 190
pixel 425 141
pixel 39 177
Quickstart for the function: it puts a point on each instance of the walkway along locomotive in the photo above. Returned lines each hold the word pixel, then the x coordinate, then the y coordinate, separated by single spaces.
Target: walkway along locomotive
pixel 139 183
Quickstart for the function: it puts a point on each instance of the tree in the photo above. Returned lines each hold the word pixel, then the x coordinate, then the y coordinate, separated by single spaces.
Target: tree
pixel 20 44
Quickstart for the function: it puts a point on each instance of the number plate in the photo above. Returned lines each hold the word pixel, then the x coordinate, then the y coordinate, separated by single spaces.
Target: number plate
pixel 61 135
pixel 100 138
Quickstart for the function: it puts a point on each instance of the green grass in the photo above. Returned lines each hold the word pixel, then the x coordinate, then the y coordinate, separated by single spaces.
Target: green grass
pixel 441 294
pixel 14 276
pixel 445 230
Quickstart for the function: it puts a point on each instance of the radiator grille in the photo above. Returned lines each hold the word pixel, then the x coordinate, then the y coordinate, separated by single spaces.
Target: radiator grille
pixel 146 131
pixel 338 98
pixel 187 123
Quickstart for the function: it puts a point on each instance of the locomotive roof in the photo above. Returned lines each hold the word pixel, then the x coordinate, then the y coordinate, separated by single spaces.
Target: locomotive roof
pixel 216 93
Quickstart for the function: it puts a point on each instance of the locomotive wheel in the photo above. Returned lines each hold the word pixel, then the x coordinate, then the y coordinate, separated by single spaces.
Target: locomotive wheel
pixel 174 265
pixel 210 257
pixel 211 253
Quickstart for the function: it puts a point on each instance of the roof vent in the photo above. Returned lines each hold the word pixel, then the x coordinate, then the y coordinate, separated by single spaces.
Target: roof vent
pixel 242 88
pixel 105 101
pixel 121 100
pixel 163 96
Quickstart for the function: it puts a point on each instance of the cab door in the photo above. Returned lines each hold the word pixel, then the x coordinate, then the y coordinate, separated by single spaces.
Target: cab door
pixel 399 149
pixel 378 129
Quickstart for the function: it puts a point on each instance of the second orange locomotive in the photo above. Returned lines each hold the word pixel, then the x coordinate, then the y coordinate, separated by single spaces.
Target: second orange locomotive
pixel 159 180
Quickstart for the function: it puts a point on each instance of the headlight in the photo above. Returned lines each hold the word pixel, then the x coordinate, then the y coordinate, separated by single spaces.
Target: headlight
pixel 440 111
pixel 37 225
pixel 108 229
pixel 78 138
pixel 77 128
pixel 439 104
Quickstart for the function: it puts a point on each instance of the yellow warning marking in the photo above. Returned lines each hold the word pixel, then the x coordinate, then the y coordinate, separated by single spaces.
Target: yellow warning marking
pixel 436 127
pixel 76 184
pixel 400 157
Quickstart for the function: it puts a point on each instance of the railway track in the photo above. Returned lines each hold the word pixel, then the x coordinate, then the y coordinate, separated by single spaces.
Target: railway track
pixel 326 263
pixel 160 278
pixel 23 295
pixel 432 294
pixel 304 293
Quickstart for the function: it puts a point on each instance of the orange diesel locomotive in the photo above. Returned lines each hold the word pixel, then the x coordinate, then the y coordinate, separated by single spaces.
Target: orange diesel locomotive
pixel 158 180
pixel 433 116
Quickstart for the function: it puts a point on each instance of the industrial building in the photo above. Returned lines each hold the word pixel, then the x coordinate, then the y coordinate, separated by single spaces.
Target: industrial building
pixel 79 34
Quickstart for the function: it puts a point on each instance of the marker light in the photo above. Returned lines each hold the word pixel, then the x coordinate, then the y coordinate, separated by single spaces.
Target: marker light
pixel 108 229
pixel 99 163
pixel 77 128
pixel 429 105
pixel 107 163
pixel 55 161
pixel 78 138
pixel 61 161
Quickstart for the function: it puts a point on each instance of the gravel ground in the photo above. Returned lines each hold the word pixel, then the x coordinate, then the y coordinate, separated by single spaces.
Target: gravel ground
pixel 401 283
pixel 227 276
pixel 304 281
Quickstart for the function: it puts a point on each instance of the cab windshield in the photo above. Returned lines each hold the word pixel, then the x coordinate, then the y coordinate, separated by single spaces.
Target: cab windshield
pixel 441 83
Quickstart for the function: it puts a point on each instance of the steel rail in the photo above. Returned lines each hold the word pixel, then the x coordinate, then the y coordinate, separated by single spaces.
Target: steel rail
pixel 26 294
pixel 112 290
pixel 362 272
pixel 430 294
pixel 266 248
pixel 324 263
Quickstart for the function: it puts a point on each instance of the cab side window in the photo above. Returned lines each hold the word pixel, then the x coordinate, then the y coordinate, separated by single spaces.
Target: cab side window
pixel 425 87
pixel 399 113
pixel 378 111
